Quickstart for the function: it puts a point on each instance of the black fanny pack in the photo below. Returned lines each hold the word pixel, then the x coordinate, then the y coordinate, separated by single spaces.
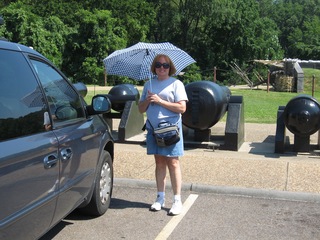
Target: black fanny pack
pixel 166 134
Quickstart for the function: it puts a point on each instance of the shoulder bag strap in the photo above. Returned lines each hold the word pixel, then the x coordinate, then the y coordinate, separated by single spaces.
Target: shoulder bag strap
pixel 150 124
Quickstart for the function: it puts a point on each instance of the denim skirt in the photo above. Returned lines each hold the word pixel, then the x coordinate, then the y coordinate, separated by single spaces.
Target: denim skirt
pixel 175 150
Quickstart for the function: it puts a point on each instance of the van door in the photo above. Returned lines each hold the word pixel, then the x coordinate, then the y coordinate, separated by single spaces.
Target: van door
pixel 79 138
pixel 29 166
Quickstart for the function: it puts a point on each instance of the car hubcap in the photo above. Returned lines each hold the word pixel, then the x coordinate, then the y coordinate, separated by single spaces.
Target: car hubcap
pixel 105 183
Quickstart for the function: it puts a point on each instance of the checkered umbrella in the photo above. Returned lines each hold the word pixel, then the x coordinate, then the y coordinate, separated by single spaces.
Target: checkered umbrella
pixel 135 62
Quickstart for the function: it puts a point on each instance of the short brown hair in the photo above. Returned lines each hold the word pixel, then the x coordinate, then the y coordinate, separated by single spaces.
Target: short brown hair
pixel 172 69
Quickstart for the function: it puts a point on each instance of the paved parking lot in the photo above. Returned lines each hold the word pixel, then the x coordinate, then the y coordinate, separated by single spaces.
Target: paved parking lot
pixel 205 216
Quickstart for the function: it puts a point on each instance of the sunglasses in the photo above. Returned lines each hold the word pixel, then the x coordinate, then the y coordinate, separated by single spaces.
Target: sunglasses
pixel 164 65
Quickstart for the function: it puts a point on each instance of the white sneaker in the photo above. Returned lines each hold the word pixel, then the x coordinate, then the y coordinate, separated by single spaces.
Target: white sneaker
pixel 176 208
pixel 158 204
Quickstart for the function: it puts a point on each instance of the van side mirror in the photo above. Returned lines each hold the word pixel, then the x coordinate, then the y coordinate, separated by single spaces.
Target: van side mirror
pixel 99 104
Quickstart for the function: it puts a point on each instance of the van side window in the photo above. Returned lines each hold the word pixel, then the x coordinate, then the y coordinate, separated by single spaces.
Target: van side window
pixel 64 102
pixel 22 104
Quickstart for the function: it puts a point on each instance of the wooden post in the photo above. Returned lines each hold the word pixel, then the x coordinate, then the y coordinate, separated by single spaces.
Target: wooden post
pixel 105 77
pixel 313 85
pixel 268 81
pixel 214 74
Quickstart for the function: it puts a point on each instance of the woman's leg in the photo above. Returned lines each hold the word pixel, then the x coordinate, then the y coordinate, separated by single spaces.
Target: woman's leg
pixel 160 172
pixel 173 164
pixel 175 174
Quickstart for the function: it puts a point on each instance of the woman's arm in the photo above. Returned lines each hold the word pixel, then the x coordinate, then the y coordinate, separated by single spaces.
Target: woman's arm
pixel 178 107
pixel 143 105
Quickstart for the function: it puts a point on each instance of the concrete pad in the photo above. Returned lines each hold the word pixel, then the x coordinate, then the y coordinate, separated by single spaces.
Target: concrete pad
pixel 304 176
pixel 226 171
pixel 133 162
pixel 254 166
pixel 217 168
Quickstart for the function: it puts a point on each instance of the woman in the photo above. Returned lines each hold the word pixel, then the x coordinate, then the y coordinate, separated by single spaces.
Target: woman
pixel 164 100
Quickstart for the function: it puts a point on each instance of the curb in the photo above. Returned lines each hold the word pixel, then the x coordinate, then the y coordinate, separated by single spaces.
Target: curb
pixel 226 190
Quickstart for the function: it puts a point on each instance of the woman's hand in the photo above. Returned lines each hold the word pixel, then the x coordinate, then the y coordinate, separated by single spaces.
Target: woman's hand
pixel 178 107
pixel 153 98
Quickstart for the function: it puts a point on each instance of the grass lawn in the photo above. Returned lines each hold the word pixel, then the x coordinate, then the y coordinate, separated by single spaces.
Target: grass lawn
pixel 261 106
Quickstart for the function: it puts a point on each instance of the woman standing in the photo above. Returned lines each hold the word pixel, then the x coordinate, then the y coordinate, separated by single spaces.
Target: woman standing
pixel 164 100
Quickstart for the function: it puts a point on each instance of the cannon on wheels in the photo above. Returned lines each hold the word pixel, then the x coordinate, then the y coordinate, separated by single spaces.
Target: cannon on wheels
pixel 208 103
pixel 301 116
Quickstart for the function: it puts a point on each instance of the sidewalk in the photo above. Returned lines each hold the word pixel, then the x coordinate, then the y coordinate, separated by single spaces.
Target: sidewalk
pixel 254 166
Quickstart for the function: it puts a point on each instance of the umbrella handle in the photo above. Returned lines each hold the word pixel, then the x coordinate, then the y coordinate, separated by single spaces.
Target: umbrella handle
pixel 150 84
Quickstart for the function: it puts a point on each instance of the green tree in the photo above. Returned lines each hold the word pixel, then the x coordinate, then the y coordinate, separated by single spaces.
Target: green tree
pixel 96 35
pixel 230 33
pixel 77 35
pixel 266 9
pixel 179 21
pixel 218 32
pixel 305 42
pixel 47 36
pixel 182 22
pixel 64 9
pixel 294 19
pixel 266 43
pixel 135 16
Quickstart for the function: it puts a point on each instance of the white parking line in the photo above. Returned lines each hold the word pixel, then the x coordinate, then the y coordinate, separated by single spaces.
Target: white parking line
pixel 173 223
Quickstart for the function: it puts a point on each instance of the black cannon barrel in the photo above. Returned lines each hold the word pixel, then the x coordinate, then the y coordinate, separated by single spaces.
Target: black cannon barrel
pixel 207 104
pixel 302 115
pixel 122 93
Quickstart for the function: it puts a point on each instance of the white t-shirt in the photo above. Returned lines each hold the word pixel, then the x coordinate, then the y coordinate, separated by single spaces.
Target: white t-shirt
pixel 171 90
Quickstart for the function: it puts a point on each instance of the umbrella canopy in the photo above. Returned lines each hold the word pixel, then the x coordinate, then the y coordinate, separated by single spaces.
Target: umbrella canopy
pixel 135 62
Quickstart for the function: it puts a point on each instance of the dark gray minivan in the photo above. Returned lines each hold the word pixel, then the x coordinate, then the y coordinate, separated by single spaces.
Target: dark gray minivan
pixel 56 152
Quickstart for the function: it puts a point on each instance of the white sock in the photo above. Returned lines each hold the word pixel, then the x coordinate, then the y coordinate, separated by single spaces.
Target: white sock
pixel 177 198
pixel 161 195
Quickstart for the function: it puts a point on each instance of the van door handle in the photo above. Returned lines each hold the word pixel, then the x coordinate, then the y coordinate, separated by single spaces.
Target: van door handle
pixel 50 161
pixel 66 154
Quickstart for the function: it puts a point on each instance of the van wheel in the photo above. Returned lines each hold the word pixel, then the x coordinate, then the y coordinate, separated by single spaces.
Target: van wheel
pixel 103 186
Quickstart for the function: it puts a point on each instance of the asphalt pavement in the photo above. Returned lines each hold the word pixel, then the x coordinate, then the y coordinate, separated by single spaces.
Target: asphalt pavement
pixel 205 216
